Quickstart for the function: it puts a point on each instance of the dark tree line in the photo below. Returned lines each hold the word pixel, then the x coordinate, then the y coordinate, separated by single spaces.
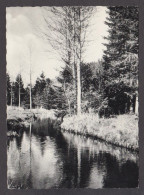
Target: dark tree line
pixel 43 93
pixel 15 91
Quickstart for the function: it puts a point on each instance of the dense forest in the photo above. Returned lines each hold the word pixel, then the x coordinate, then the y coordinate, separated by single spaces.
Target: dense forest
pixel 107 87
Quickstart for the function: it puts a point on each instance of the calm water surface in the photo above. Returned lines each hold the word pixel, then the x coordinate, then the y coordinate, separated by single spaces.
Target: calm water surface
pixel 43 157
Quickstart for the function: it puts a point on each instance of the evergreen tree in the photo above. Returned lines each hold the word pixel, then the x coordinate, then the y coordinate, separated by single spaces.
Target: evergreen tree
pixel 48 95
pixel 43 92
pixel 8 89
pixel 67 89
pixel 92 93
pixel 121 58
pixel 19 91
pixel 26 100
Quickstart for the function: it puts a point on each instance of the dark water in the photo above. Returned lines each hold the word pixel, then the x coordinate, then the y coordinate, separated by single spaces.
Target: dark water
pixel 43 157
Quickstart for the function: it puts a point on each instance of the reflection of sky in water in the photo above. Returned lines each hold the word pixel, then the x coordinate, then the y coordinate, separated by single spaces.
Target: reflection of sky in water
pixel 42 162
pixel 49 158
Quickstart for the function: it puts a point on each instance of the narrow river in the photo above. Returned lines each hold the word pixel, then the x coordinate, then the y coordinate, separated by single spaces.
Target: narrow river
pixel 44 157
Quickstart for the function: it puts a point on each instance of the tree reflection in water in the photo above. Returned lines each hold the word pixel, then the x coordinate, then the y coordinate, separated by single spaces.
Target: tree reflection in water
pixel 44 157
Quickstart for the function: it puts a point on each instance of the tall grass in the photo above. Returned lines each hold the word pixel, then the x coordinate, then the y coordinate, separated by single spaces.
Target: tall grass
pixel 121 131
pixel 14 112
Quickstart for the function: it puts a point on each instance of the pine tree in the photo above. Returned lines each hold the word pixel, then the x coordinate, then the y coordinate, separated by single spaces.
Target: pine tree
pixel 92 93
pixel 26 99
pixel 121 58
pixel 19 91
pixel 41 92
pixel 66 80
pixel 8 89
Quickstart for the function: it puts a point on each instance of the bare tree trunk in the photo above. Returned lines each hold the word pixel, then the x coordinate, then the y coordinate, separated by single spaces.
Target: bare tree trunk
pixel 19 97
pixel 30 93
pixel 69 107
pixel 137 103
pixel 74 87
pixel 30 81
pixel 78 89
pixel 19 93
pixel 74 67
pixel 11 95
pixel 78 68
pixel 134 103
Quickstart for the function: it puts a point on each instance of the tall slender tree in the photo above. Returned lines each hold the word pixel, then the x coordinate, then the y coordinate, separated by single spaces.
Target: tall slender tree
pixel 121 58
pixel 66 32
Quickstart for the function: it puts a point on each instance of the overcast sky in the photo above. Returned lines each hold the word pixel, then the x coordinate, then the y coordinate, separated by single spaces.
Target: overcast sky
pixel 21 31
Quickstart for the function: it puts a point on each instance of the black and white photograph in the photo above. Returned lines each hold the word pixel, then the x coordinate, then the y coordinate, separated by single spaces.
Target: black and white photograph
pixel 72 97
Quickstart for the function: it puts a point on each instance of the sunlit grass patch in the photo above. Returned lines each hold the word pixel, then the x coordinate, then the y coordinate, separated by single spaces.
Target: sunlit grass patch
pixel 121 131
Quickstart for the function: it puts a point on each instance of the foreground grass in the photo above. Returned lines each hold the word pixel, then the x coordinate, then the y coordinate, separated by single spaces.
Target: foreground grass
pixel 121 131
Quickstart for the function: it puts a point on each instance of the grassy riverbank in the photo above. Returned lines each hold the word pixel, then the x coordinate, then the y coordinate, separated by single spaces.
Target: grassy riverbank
pixel 24 114
pixel 121 131
pixel 17 118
